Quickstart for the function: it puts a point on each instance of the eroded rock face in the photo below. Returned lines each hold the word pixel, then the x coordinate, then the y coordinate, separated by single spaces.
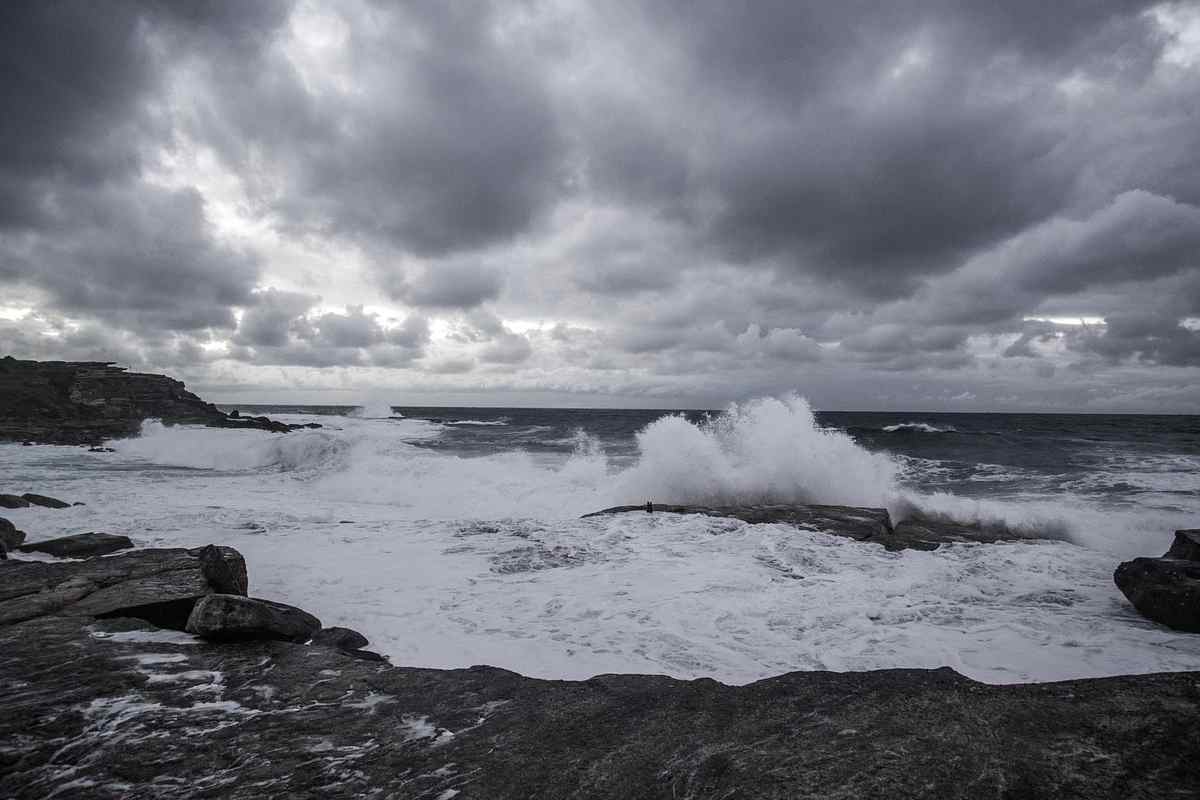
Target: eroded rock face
pixel 117 709
pixel 86 402
pixel 1166 590
pixel 233 617
pixel 161 585
pixel 79 545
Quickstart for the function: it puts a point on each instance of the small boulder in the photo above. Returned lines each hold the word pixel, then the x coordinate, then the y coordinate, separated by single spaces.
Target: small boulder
pixel 44 501
pixel 1166 590
pixel 1186 545
pixel 341 638
pixel 10 537
pixel 12 501
pixel 226 616
pixel 79 545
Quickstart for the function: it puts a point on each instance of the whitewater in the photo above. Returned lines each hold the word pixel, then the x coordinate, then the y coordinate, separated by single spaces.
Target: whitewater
pixel 452 556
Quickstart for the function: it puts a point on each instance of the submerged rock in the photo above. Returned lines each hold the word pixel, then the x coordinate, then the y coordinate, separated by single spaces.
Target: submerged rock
pixel 917 531
pixel 1167 589
pixel 79 545
pixel 44 501
pixel 228 616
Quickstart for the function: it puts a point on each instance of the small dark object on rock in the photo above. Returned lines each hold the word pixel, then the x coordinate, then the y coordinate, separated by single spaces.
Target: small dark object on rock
pixel 44 501
pixel 235 414
pixel 227 616
pixel 12 501
pixel 225 575
pixel 26 444
pixel 341 638
pixel 80 545
pixel 1186 545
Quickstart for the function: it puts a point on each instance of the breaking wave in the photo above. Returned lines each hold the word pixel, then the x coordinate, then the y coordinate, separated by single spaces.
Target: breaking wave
pixel 230 450
pixel 918 427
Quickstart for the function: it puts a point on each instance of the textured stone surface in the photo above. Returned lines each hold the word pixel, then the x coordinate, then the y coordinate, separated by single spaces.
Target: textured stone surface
pixel 230 616
pixel 85 402
pixel 162 585
pixel 79 545
pixel 1166 590
pixel 115 710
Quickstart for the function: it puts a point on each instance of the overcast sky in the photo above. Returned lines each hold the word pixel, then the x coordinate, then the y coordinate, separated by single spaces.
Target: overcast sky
pixel 907 205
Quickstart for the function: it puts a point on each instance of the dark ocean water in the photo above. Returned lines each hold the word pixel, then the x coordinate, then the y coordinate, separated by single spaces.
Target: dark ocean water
pixel 1118 460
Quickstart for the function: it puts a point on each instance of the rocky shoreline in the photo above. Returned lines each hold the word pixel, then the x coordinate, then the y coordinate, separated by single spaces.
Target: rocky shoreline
pixel 87 402
pixel 152 673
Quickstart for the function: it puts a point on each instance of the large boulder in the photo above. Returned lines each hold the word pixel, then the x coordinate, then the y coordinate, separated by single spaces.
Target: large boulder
pixel 159 585
pixel 1166 590
pixel 79 545
pixel 13 501
pixel 227 616
pixel 44 501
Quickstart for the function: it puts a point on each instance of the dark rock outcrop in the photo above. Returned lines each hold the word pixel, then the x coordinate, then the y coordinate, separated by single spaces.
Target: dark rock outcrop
pixel 158 585
pixel 916 532
pixel 233 617
pixel 1167 589
pixel 44 501
pixel 1186 545
pixel 86 402
pixel 13 501
pixel 113 709
pixel 79 545
pixel 340 638
pixel 10 537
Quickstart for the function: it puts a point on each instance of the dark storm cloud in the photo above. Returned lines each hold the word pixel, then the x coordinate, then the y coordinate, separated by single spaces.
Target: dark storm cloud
pixel 78 219
pixel 1147 337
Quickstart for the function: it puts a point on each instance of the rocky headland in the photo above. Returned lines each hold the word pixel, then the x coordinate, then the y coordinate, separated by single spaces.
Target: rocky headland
pixel 86 402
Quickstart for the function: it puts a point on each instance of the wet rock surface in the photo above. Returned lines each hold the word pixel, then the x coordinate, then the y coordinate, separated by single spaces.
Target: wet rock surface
pixel 916 532
pixel 157 584
pixel 13 501
pixel 1167 589
pixel 341 638
pixel 86 402
pixel 44 501
pixel 116 708
pixel 10 536
pixel 231 617
pixel 79 545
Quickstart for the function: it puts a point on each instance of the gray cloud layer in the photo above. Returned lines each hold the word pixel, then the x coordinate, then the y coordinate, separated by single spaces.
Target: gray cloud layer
pixel 875 204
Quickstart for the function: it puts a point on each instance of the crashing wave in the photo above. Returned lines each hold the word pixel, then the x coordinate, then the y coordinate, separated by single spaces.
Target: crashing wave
pixel 919 427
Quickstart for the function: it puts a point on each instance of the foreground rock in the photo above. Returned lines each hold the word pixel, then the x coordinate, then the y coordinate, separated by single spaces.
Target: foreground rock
pixel 157 585
pixel 86 402
pixel 232 617
pixel 79 545
pixel 1167 589
pixel 917 532
pixel 116 709
pixel 10 537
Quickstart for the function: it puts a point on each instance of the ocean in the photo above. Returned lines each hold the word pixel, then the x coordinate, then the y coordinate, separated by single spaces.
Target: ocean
pixel 452 537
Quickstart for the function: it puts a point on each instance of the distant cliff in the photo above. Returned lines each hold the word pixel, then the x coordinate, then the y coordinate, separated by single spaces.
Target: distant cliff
pixel 85 402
